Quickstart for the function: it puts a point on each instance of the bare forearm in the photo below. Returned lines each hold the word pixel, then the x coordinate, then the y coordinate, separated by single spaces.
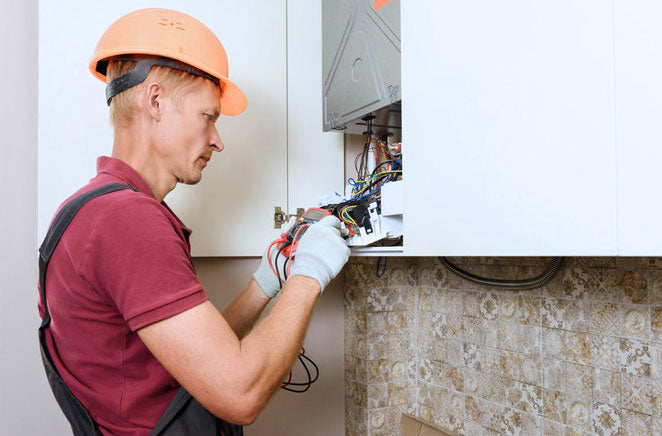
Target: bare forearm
pixel 234 378
pixel 275 342
pixel 246 309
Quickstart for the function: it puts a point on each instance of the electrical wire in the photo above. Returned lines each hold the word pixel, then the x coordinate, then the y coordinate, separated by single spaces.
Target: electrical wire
pixel 269 256
pixel 381 174
pixel 294 238
pixel 380 274
pixel 280 281
pixel 311 380
pixel 376 189
pixel 286 272
pixel 530 283
pixel 344 215
pixel 376 176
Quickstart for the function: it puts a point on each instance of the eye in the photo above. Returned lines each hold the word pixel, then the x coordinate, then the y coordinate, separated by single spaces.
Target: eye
pixel 210 118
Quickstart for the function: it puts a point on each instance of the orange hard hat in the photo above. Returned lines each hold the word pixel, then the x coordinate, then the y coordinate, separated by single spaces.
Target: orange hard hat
pixel 169 38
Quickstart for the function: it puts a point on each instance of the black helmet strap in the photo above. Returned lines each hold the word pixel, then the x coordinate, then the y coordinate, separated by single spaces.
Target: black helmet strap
pixel 143 66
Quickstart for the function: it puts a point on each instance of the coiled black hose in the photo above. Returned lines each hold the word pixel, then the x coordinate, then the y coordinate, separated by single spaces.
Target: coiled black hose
pixel 531 283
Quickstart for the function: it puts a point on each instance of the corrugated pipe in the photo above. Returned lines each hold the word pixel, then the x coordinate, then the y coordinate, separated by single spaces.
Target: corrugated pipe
pixel 531 283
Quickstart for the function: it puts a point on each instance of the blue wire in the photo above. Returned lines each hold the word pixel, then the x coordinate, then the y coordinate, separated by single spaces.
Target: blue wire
pixel 376 189
pixel 353 182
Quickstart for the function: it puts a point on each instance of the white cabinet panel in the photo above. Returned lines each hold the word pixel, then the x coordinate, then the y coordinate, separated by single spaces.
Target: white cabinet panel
pixel 231 210
pixel 315 158
pixel 638 96
pixel 508 128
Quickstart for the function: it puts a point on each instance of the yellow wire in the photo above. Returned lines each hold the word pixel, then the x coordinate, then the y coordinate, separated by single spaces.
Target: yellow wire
pixel 349 219
pixel 346 216
pixel 378 175
pixel 373 177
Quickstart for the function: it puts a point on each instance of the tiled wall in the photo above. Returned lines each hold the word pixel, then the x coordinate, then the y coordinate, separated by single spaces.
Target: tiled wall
pixel 580 356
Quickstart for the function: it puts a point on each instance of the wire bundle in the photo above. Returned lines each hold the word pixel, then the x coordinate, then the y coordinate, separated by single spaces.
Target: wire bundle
pixel 302 387
pixel 284 244
pixel 388 167
pixel 346 217
pixel 376 180
pixel 286 249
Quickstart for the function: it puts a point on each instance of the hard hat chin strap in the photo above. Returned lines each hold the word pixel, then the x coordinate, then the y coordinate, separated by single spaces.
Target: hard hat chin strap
pixel 143 66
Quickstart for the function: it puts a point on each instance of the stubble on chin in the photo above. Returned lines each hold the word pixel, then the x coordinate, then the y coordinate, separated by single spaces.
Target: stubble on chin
pixel 193 178
pixel 190 179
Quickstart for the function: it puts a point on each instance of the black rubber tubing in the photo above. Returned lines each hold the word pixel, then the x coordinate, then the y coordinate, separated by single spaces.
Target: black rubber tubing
pixel 530 283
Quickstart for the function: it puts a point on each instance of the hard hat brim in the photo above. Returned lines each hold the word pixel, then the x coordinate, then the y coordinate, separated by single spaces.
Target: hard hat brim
pixel 232 101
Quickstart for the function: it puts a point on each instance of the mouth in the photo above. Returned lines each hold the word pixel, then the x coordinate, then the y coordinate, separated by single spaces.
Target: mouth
pixel 205 158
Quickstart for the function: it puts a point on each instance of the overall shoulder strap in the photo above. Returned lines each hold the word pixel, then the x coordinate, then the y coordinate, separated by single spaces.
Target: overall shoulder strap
pixel 57 228
pixel 81 422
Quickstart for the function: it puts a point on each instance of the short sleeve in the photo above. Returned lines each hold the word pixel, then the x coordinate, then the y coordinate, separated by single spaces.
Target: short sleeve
pixel 139 259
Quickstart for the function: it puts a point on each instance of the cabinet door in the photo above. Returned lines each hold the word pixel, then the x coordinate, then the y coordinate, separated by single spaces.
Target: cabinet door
pixel 638 84
pixel 508 128
pixel 231 209
pixel 315 158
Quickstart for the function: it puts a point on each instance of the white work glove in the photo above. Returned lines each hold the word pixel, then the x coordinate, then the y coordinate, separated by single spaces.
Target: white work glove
pixel 321 252
pixel 265 277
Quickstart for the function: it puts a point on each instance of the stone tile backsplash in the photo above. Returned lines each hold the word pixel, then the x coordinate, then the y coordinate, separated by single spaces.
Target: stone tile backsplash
pixel 580 356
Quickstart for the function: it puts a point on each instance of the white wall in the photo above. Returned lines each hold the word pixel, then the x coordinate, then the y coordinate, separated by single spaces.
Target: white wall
pixel 24 392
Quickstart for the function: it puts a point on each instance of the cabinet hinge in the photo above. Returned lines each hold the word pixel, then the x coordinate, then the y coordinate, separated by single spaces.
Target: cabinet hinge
pixel 280 217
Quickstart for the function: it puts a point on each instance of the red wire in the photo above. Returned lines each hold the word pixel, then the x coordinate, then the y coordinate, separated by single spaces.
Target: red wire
pixel 293 248
pixel 269 257
pixel 289 379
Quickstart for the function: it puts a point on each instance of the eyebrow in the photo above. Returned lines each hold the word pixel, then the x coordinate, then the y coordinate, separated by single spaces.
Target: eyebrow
pixel 213 112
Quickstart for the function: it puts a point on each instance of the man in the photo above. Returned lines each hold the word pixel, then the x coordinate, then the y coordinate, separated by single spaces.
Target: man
pixel 130 321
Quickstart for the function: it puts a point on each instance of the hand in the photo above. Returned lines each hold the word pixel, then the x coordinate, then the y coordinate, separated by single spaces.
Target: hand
pixel 265 277
pixel 321 252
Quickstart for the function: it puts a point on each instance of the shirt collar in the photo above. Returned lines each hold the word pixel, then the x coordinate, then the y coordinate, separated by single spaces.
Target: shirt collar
pixel 122 170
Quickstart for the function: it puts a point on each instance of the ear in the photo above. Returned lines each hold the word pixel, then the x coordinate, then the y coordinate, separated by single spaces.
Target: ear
pixel 151 100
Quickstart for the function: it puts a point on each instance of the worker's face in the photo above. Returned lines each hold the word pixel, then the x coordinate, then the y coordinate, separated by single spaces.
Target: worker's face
pixel 189 135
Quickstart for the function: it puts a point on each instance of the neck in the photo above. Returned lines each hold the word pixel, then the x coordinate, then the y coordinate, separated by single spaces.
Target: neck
pixel 137 151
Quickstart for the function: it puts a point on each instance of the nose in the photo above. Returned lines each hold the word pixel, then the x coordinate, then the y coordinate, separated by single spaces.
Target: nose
pixel 215 141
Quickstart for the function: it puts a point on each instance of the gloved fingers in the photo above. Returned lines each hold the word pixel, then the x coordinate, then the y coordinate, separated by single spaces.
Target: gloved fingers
pixel 344 231
pixel 330 221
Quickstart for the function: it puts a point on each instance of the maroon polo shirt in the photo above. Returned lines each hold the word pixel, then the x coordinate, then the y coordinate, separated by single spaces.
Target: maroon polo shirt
pixel 122 264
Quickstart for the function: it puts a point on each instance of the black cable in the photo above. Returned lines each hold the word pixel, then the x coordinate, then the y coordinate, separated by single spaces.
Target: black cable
pixel 530 283
pixel 307 385
pixel 356 163
pixel 305 367
pixel 287 260
pixel 317 370
pixel 375 182
pixel 280 282
pixel 380 274
pixel 310 380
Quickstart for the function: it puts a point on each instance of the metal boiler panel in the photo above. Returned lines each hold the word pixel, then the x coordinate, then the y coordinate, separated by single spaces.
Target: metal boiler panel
pixel 361 65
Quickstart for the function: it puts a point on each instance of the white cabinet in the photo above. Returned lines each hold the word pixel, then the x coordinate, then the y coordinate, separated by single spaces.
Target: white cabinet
pixel 275 152
pixel 231 209
pixel 638 79
pixel 530 128
pixel 315 158
pixel 508 126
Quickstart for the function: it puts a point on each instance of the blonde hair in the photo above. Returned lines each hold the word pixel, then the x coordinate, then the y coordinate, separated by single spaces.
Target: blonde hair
pixel 175 83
